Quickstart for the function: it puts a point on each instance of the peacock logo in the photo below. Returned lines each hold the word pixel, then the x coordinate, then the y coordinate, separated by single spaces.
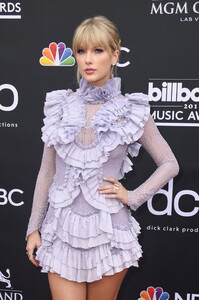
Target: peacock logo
pixel 57 55
pixel 154 294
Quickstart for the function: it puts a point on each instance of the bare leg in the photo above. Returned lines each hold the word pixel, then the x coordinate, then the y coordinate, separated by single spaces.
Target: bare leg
pixel 63 289
pixel 107 288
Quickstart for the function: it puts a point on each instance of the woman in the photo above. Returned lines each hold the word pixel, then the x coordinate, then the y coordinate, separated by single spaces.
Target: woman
pixel 89 238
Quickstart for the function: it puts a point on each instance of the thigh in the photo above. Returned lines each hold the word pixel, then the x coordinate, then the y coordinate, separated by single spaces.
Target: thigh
pixel 107 288
pixel 63 289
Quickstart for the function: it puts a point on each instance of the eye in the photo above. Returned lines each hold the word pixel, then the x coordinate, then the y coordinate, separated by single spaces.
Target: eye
pixel 80 51
pixel 99 50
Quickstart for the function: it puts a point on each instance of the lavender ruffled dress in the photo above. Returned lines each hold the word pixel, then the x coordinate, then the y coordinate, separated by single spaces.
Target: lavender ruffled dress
pixel 84 234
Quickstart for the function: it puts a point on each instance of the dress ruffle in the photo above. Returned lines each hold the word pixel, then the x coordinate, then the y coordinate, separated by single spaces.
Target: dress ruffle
pixel 88 231
pixel 84 248
pixel 81 251
pixel 65 116
pixel 89 265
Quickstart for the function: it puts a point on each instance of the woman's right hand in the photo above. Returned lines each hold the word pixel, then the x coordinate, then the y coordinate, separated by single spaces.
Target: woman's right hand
pixel 34 242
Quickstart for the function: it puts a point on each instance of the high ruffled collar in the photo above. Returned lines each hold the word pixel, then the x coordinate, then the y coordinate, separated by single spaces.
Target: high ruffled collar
pixel 93 94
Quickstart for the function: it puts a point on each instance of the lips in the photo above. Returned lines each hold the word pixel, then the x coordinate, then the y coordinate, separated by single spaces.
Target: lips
pixel 89 71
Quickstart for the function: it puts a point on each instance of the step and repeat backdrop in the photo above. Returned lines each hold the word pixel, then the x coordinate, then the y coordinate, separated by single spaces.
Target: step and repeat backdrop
pixel 159 56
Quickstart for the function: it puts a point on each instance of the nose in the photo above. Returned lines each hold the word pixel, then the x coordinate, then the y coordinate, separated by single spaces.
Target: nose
pixel 88 57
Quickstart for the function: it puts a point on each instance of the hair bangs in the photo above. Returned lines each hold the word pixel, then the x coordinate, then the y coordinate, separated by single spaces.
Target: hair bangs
pixel 90 36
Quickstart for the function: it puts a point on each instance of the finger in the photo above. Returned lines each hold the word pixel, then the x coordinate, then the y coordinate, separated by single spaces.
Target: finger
pixel 29 250
pixel 38 246
pixel 112 196
pixel 105 187
pixel 111 179
pixel 33 260
pixel 109 191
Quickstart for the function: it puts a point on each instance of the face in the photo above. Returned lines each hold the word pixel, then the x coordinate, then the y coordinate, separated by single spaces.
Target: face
pixel 94 64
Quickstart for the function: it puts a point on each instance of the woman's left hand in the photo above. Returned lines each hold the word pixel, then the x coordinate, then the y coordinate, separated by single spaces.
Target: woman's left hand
pixel 116 190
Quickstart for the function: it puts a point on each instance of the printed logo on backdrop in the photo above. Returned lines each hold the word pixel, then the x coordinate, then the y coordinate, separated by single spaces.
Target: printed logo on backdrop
pixel 174 102
pixel 183 11
pixel 58 55
pixel 10 10
pixel 124 64
pixel 174 204
pixel 186 297
pixel 10 197
pixel 6 289
pixel 9 99
pixel 154 294
pixel 158 294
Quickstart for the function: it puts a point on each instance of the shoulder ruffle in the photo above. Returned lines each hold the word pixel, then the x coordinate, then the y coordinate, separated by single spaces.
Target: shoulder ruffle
pixel 123 118
pixel 61 121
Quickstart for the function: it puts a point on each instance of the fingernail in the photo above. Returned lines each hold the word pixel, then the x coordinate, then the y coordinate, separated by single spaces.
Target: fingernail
pixel 104 178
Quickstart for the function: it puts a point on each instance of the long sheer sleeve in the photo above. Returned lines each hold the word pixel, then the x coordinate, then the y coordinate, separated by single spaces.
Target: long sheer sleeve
pixel 43 183
pixel 167 165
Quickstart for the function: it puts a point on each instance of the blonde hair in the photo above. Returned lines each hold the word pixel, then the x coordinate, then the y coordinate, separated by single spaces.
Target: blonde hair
pixel 98 31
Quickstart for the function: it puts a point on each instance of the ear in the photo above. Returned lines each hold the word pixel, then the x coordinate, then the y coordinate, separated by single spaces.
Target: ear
pixel 115 57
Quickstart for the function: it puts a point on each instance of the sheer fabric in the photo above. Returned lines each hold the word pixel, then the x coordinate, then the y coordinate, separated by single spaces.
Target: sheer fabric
pixel 87 136
pixel 159 150
pixel 43 183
